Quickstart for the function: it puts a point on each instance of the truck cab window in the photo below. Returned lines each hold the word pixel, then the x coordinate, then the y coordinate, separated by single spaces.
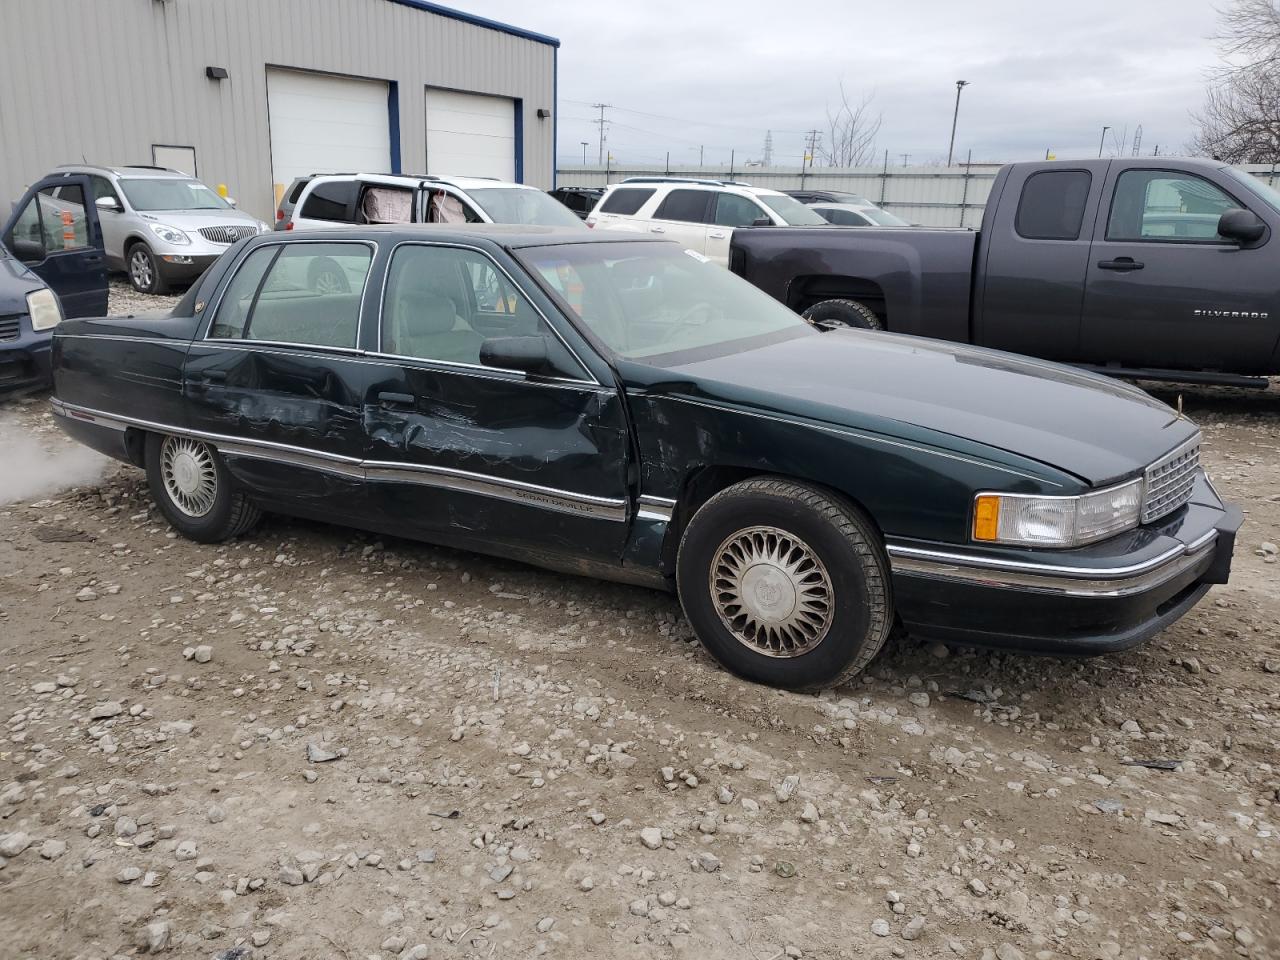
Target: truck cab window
pixel 1162 205
pixel 1052 205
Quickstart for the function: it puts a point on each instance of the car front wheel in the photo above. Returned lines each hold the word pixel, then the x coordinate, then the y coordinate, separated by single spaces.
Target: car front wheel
pixel 194 490
pixel 144 270
pixel 785 583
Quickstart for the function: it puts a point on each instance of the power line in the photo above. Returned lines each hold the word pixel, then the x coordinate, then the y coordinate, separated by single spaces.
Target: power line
pixel 660 116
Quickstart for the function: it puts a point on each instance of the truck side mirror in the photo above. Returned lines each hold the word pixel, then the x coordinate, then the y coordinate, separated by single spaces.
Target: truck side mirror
pixel 1242 226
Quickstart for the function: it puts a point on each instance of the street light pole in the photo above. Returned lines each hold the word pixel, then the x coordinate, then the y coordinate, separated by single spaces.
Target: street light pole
pixel 1102 139
pixel 960 85
pixel 584 143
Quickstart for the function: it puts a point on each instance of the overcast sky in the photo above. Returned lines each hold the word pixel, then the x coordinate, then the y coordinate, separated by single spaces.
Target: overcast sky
pixel 719 74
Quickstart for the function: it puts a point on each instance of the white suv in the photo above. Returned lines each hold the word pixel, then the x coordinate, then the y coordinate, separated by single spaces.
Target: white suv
pixel 700 214
pixel 334 200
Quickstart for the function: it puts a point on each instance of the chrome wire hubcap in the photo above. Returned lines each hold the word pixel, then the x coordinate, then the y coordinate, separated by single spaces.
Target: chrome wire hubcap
pixel 772 592
pixel 141 268
pixel 190 478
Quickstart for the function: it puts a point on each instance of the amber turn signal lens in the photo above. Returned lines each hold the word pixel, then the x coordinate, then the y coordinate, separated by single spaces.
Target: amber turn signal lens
pixel 986 518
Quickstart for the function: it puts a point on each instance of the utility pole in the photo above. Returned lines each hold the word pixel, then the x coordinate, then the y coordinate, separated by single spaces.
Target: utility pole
pixel 600 123
pixel 1137 141
pixel 960 85
pixel 767 159
pixel 811 140
pixel 905 158
pixel 700 149
pixel 584 151
pixel 1102 139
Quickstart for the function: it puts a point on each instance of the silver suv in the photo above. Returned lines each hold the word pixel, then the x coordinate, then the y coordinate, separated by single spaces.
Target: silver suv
pixel 160 225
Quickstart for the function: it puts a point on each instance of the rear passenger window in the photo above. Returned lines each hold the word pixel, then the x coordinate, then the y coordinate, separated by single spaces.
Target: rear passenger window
pixel 330 201
pixel 305 293
pixel 626 201
pixel 687 205
pixel 1052 205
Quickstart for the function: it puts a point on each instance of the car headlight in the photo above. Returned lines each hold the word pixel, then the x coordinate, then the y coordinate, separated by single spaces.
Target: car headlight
pixel 170 234
pixel 45 311
pixel 1029 521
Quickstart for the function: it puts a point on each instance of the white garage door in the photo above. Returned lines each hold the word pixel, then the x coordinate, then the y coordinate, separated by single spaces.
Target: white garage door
pixel 322 124
pixel 471 135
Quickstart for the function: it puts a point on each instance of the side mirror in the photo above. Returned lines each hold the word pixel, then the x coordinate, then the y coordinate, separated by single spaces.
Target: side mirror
pixel 527 354
pixel 762 222
pixel 28 251
pixel 1242 226
pixel 107 203
pixel 230 200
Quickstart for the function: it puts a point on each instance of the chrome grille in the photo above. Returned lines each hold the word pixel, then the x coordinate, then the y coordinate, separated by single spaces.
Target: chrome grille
pixel 1168 482
pixel 10 327
pixel 227 234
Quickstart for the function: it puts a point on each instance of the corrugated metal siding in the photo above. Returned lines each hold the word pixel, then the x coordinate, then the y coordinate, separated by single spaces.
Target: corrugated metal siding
pixel 102 80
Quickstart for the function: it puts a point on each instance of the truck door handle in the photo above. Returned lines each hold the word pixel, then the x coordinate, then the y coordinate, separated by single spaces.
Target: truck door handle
pixel 657 229
pixel 396 399
pixel 717 235
pixel 1121 263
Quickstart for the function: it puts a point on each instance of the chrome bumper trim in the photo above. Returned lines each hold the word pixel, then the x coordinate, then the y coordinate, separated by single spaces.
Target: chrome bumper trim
pixel 1064 581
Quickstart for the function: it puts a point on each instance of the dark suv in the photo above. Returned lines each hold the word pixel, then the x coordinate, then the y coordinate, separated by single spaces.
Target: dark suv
pixel 827 196
pixel 581 200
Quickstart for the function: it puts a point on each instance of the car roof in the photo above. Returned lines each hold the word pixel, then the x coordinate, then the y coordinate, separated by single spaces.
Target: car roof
pixel 502 234
pixel 137 171
pixel 680 183
pixel 855 207
pixel 402 179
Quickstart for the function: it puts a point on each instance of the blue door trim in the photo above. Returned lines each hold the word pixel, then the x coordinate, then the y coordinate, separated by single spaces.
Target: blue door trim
pixel 393 122
pixel 519 112
pixel 555 114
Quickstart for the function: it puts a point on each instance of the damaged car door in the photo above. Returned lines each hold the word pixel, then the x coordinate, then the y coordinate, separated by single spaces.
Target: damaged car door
pixel 485 429
pixel 278 380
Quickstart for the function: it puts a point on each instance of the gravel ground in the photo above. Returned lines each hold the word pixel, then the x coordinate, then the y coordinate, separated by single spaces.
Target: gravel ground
pixel 317 743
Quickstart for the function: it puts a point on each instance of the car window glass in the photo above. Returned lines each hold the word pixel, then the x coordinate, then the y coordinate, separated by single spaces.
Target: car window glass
pixel 1161 205
pixel 330 200
pixel 170 193
pixel 446 207
pixel 792 212
pixel 842 217
pixel 27 237
pixel 1052 205
pixel 63 225
pixel 626 201
pixel 516 205
pixel 381 204
pixel 735 211
pixel 297 190
pixel 102 188
pixel 442 303
pixel 689 206
pixel 308 293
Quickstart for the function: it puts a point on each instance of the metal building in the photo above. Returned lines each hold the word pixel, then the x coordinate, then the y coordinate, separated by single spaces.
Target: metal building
pixel 251 93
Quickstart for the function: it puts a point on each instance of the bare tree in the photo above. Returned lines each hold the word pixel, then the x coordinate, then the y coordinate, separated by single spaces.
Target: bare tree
pixel 853 130
pixel 1240 119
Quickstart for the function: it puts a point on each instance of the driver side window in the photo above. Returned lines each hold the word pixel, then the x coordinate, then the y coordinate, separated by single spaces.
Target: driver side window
pixel 735 211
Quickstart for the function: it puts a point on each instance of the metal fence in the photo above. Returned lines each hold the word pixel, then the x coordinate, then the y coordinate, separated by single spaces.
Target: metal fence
pixel 931 196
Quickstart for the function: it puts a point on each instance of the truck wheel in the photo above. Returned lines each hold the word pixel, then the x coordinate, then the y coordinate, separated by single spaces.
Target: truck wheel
pixel 194 491
pixel 843 313
pixel 785 584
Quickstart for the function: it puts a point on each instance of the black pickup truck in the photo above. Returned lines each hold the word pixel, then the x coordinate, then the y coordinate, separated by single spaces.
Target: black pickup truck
pixel 1143 268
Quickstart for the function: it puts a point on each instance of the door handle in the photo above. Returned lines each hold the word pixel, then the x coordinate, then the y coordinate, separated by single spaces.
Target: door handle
pixel 1121 263
pixel 657 229
pixel 388 399
pixel 717 235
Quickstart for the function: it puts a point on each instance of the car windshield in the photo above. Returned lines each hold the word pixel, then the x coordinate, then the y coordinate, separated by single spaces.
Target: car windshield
pixel 883 217
pixel 1259 186
pixel 511 205
pixel 157 193
pixel 651 300
pixel 792 211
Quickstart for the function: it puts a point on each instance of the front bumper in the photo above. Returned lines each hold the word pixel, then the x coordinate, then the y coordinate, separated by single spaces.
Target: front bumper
pixel 183 266
pixel 1097 599
pixel 24 362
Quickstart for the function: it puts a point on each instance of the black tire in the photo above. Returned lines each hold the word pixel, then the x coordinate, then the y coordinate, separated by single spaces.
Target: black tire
pixel 851 556
pixel 843 313
pixel 325 275
pixel 144 270
pixel 230 512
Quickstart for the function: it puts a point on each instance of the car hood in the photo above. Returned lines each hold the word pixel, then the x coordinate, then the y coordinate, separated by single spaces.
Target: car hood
pixel 1097 428
pixel 195 219
pixel 16 281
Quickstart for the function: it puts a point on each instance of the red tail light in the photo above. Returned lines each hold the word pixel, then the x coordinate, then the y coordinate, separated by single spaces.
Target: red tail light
pixel 279 215
pixel 289 225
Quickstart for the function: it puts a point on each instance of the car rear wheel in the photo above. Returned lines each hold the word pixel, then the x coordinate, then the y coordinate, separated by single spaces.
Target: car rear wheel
pixel 785 584
pixel 194 490
pixel 144 270
pixel 843 313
